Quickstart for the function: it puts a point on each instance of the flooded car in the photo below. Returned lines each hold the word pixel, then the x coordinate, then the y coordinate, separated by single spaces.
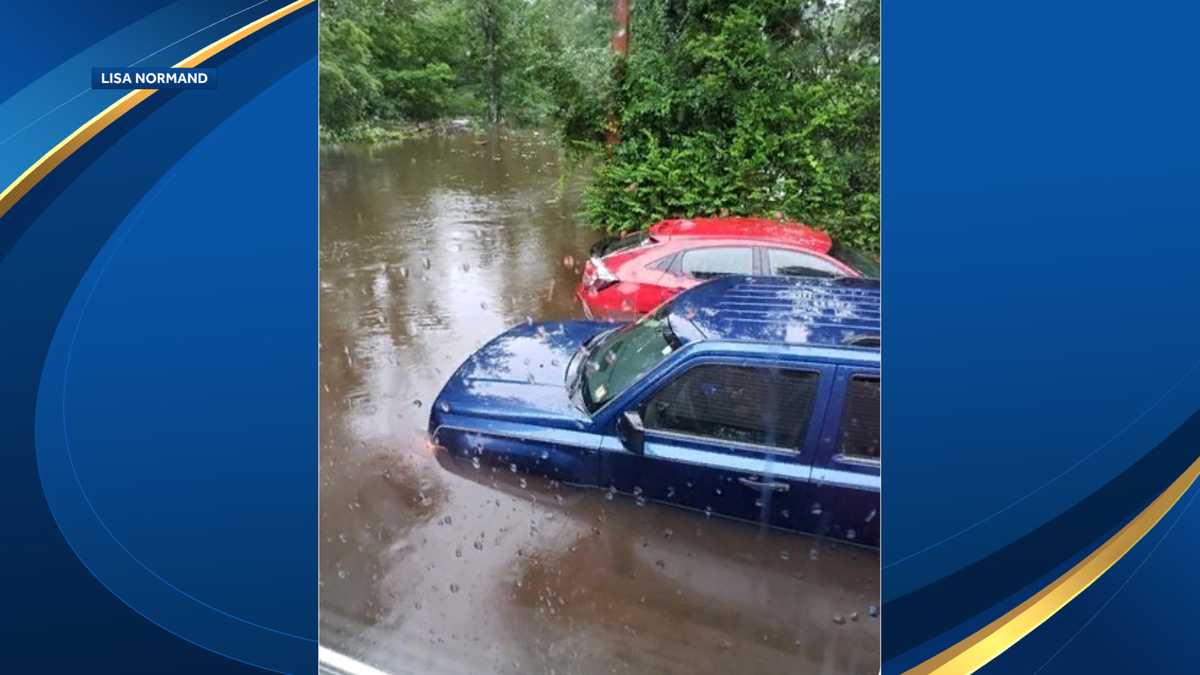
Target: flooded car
pixel 430 248
pixel 632 275
pixel 752 398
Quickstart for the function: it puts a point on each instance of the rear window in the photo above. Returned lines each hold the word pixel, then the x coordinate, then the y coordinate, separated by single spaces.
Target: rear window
pixel 611 245
pixel 761 406
pixel 860 422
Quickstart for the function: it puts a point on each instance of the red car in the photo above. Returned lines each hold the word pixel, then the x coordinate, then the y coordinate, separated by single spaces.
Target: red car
pixel 632 275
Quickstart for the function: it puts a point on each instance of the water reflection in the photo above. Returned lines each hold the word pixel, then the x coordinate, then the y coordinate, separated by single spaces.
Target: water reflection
pixel 429 248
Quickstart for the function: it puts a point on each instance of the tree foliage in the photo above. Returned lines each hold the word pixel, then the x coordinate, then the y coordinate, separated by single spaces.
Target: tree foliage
pixel 754 107
pixel 526 62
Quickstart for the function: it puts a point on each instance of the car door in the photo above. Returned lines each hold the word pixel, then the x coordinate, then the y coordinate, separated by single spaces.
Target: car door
pixel 728 437
pixel 846 473
pixel 697 265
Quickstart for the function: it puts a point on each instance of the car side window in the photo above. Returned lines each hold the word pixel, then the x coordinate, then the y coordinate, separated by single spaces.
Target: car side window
pixel 705 263
pixel 783 262
pixel 860 421
pixel 743 404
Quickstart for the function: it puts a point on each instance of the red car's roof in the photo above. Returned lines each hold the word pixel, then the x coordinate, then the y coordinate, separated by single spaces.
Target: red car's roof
pixel 794 234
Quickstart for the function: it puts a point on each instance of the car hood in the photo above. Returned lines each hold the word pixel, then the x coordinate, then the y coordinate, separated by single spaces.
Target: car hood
pixel 519 376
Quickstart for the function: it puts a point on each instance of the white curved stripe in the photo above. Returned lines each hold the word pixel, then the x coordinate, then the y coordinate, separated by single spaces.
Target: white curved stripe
pixel 341 663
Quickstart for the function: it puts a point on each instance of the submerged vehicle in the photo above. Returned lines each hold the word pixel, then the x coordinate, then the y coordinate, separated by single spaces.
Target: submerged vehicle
pixel 755 398
pixel 627 277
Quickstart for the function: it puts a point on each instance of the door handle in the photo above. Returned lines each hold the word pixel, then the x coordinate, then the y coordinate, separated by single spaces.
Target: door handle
pixel 767 485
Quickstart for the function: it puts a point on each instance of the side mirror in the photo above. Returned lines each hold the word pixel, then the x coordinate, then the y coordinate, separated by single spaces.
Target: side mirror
pixel 632 432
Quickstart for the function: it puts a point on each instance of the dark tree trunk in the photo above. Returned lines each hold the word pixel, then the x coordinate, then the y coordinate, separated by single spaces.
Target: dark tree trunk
pixel 620 47
pixel 490 18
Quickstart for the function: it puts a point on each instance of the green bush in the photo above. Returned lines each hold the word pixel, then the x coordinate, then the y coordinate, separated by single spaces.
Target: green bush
pixel 759 107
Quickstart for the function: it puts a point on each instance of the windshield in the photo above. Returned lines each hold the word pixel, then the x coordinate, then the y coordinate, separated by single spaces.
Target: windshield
pixel 864 264
pixel 623 356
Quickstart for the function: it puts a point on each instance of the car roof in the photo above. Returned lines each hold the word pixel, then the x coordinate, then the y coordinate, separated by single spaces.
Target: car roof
pixel 757 229
pixel 837 312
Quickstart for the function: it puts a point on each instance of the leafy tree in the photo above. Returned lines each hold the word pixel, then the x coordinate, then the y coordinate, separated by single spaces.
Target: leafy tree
pixel 759 107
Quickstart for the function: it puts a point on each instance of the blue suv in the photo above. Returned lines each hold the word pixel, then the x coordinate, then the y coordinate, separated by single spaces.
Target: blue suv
pixel 751 398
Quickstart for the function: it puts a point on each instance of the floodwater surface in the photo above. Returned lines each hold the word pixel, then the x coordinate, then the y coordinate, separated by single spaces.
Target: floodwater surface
pixel 429 248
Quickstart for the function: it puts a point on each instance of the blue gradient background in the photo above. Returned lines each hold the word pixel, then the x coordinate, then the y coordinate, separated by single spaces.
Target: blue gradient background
pixel 1039 164
pixel 159 435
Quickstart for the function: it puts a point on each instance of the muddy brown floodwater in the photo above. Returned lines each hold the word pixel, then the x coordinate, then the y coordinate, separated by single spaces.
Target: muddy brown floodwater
pixel 429 248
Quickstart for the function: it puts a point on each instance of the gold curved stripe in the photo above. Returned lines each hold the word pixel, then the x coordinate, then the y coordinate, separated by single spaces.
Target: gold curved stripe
pixel 55 156
pixel 990 641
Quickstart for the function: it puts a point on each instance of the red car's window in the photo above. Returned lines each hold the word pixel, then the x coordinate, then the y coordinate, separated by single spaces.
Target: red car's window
pixel 703 263
pixel 783 262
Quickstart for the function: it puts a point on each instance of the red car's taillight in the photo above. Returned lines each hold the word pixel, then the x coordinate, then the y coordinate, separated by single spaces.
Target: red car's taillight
pixel 596 276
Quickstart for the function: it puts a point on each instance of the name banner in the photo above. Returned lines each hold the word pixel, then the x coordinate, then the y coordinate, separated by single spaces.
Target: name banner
pixel 154 78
